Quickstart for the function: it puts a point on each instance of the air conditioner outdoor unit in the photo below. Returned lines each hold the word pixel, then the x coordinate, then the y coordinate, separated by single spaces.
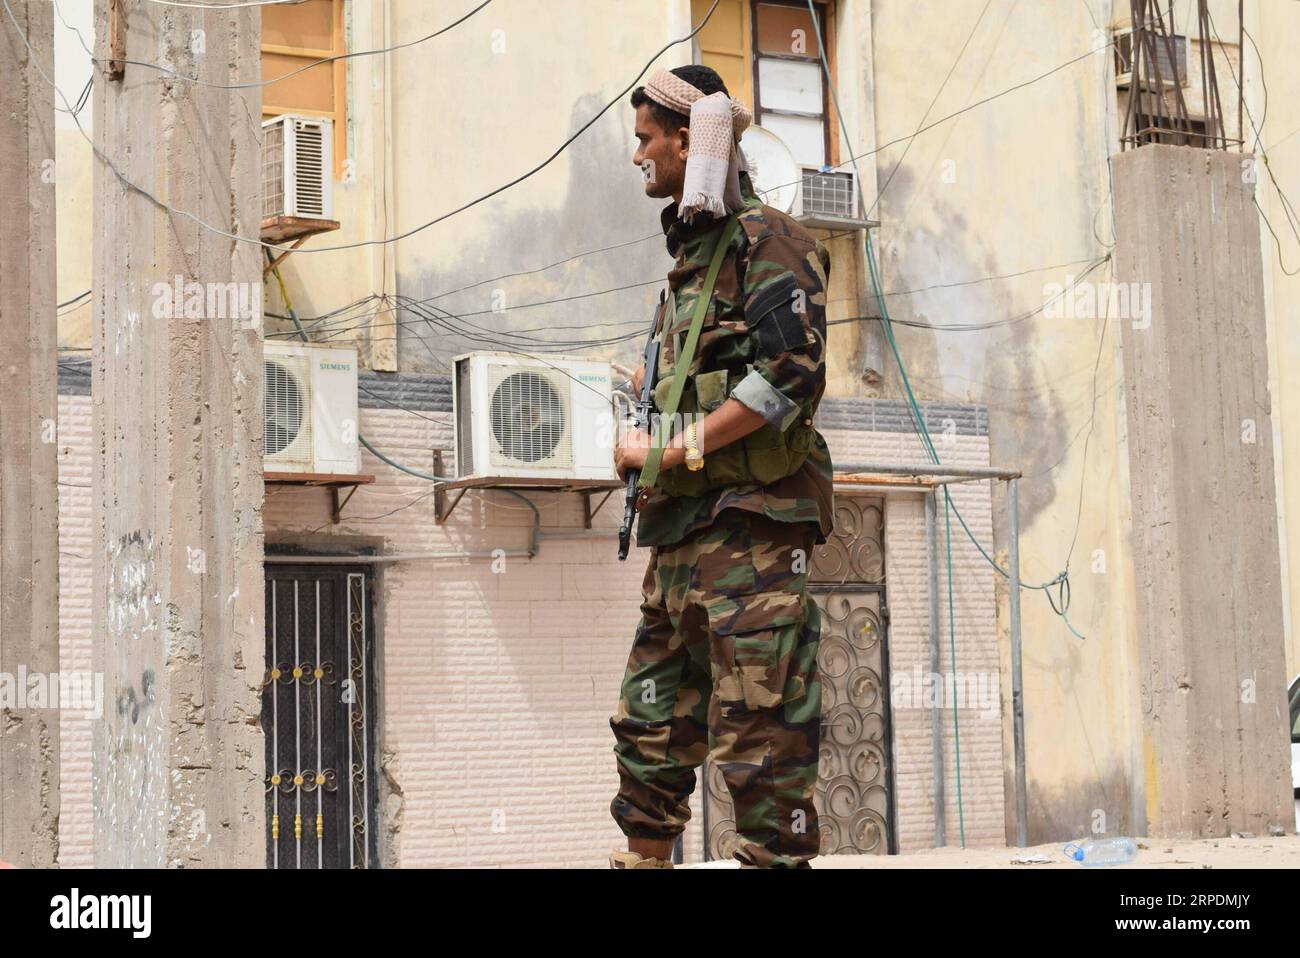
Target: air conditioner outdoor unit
pixel 298 167
pixel 518 417
pixel 1173 72
pixel 310 409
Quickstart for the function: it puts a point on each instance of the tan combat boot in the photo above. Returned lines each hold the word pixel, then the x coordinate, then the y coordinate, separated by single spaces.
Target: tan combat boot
pixel 621 859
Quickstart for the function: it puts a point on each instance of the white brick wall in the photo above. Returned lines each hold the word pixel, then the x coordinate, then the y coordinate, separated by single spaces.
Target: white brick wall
pixel 76 814
pixel 497 688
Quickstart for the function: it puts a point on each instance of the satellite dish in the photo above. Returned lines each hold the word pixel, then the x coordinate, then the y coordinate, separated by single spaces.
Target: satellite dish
pixel 775 174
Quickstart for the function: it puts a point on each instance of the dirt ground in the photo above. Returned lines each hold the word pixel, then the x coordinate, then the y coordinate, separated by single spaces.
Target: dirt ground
pixel 1259 852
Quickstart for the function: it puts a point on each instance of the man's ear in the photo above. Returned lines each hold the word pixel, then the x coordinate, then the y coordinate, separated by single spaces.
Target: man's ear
pixel 684 141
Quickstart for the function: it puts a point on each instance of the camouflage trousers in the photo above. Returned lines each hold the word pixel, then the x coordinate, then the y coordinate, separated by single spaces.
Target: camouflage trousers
pixel 724 666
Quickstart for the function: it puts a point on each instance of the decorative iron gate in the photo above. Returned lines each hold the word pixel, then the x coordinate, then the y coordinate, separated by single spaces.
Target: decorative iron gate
pixel 854 777
pixel 319 715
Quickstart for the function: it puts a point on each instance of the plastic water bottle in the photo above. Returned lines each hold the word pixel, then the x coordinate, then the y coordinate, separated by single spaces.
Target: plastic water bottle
pixel 1102 851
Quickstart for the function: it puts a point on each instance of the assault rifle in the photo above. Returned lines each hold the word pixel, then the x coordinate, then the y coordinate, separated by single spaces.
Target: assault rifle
pixel 644 410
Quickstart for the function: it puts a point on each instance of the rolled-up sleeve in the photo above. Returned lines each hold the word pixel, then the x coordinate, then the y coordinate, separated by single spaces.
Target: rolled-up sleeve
pixel 766 400
pixel 785 311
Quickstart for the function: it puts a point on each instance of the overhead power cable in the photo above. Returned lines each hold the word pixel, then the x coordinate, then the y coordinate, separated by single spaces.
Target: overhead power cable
pixel 168 73
pixel 392 239
pixel 1288 210
pixel 360 243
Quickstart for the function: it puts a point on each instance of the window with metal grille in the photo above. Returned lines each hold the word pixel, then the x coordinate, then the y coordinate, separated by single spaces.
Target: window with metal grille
pixel 319 713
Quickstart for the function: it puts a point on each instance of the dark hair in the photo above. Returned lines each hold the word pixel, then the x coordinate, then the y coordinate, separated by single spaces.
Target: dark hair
pixel 705 79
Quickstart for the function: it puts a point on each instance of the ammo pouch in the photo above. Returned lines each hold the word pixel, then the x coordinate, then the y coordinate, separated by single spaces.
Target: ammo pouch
pixel 762 457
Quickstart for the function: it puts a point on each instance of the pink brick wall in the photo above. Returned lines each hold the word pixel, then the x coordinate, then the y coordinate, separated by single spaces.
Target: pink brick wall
pixel 76 813
pixel 496 687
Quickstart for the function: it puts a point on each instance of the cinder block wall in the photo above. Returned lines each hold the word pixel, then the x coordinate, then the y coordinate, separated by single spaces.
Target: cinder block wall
pixel 496 687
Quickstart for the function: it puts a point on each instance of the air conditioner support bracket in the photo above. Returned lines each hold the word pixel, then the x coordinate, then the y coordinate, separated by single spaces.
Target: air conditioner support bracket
pixel 442 508
pixel 336 507
pixel 589 513
pixel 279 230
pixel 332 481
pixel 283 256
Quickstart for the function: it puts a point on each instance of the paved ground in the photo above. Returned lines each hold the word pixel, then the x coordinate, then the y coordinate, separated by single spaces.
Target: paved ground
pixel 1263 852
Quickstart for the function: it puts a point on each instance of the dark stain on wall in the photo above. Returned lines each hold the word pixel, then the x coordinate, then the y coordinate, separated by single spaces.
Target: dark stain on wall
pixel 602 204
pixel 1066 812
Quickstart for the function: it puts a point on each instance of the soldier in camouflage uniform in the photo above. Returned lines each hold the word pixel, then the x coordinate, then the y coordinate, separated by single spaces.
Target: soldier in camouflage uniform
pixel 724 663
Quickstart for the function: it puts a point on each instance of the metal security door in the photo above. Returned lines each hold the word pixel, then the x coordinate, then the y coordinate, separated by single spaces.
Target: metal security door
pixel 318 713
pixel 854 795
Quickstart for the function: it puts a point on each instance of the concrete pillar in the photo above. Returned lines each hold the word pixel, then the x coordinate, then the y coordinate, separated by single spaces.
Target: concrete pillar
pixel 1205 539
pixel 29 559
pixel 177 379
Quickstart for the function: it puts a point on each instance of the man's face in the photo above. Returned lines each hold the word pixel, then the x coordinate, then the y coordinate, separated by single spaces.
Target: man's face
pixel 660 155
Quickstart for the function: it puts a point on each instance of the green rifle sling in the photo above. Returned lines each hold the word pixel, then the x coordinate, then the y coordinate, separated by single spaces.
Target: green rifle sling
pixel 653 459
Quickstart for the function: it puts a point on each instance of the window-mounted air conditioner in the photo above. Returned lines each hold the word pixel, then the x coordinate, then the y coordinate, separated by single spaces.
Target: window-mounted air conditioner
pixel 1173 71
pixel 310 409
pixel 818 197
pixel 517 417
pixel 829 196
pixel 298 167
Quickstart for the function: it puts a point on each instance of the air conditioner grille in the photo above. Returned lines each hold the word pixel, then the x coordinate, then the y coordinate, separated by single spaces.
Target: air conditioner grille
pixel 464 418
pixel 273 171
pixel 529 418
pixel 1171 71
pixel 828 194
pixel 286 409
pixel 309 162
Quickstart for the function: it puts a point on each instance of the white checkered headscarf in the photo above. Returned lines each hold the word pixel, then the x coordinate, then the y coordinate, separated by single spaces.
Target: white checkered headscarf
pixel 715 160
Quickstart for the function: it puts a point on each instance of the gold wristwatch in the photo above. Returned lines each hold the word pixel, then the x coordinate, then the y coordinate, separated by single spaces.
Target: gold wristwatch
pixel 694 456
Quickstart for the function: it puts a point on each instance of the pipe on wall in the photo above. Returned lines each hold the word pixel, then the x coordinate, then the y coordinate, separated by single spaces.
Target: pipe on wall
pixel 936 714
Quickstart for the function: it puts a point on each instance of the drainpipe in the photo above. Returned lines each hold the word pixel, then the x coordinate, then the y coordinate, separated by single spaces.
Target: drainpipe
pixel 395 557
pixel 936 714
pixel 383 559
pixel 1017 680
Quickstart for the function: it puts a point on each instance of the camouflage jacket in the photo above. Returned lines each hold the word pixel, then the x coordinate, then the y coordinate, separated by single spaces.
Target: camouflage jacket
pixel 768 321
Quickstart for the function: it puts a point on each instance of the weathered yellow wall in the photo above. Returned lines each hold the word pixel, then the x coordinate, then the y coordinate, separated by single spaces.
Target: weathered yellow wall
pixel 1015 185
pixel 72 170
